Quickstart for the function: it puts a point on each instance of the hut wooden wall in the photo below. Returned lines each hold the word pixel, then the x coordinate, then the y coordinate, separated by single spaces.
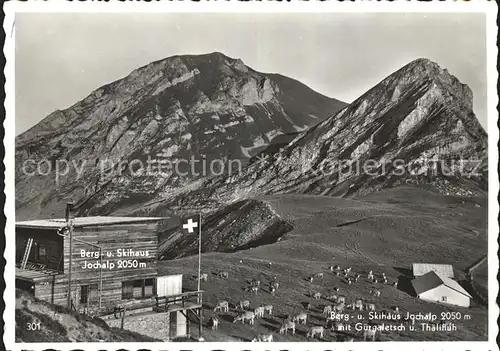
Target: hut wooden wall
pixel 54 290
pixel 135 236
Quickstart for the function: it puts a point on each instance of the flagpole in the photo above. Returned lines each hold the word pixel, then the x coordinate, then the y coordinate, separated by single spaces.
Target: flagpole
pixel 199 251
pixel 200 325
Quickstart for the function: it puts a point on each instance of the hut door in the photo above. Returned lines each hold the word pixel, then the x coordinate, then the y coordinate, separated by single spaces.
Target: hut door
pixel 173 324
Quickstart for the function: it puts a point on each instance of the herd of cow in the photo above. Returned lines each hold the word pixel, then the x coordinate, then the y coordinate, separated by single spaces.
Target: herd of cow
pixel 337 306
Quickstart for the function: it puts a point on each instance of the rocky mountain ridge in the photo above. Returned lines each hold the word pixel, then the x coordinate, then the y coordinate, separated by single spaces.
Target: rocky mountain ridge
pixel 242 225
pixel 200 107
pixel 416 126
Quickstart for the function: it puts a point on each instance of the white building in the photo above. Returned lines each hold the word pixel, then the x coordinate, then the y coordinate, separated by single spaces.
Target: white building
pixel 434 287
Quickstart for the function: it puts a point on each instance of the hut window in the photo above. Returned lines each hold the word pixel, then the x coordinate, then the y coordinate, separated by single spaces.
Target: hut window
pixel 89 293
pixel 39 253
pixel 127 290
pixel 138 293
pixel 36 252
pixel 84 294
pixel 42 254
pixel 443 299
pixel 148 287
pixel 138 289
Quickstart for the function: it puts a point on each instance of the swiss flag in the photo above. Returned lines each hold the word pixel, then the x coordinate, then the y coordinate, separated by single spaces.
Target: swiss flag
pixel 192 224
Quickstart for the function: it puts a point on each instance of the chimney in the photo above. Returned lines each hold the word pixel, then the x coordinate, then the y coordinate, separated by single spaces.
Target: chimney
pixel 70 214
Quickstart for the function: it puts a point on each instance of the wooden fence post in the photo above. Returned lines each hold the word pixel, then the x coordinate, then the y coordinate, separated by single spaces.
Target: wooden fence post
pixel 123 317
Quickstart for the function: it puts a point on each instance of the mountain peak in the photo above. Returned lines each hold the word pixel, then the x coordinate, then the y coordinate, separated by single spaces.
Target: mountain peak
pixel 422 61
pixel 424 71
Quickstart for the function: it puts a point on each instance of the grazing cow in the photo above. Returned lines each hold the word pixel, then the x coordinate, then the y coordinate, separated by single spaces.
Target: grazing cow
pixel 300 318
pixel 318 275
pixel 376 293
pixel 337 274
pixel 369 334
pixel 311 279
pixel 272 290
pixel 223 274
pixel 348 269
pixel 375 281
pixel 268 309
pixel 263 338
pixel 349 281
pixel 203 277
pixel 286 326
pixel 384 281
pixel 316 295
pixel 370 307
pixel 339 307
pixel 331 268
pixel 336 289
pixel 327 310
pixel 244 304
pixel 370 276
pixel 255 282
pixel 332 297
pixel 358 304
pixel 341 299
pixel 313 331
pixel 246 316
pixel 395 284
pixel 215 323
pixel 254 289
pixel 275 285
pixel 222 306
pixel 259 312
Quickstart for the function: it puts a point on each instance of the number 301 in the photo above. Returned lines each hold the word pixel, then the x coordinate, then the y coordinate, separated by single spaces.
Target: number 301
pixel 33 326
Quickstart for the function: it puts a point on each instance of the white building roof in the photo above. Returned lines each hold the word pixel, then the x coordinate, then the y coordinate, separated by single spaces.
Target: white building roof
pixel 432 280
pixel 444 270
pixel 453 284
pixel 84 222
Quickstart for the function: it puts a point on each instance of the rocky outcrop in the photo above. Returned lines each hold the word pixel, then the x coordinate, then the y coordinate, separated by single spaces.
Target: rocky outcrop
pixel 239 226
pixel 118 146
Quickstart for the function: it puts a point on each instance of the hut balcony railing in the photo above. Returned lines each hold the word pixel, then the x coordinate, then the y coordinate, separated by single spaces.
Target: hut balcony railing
pixel 186 300
pixel 190 299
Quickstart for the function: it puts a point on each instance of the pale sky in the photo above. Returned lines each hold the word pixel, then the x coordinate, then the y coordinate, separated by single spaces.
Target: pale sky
pixel 61 58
